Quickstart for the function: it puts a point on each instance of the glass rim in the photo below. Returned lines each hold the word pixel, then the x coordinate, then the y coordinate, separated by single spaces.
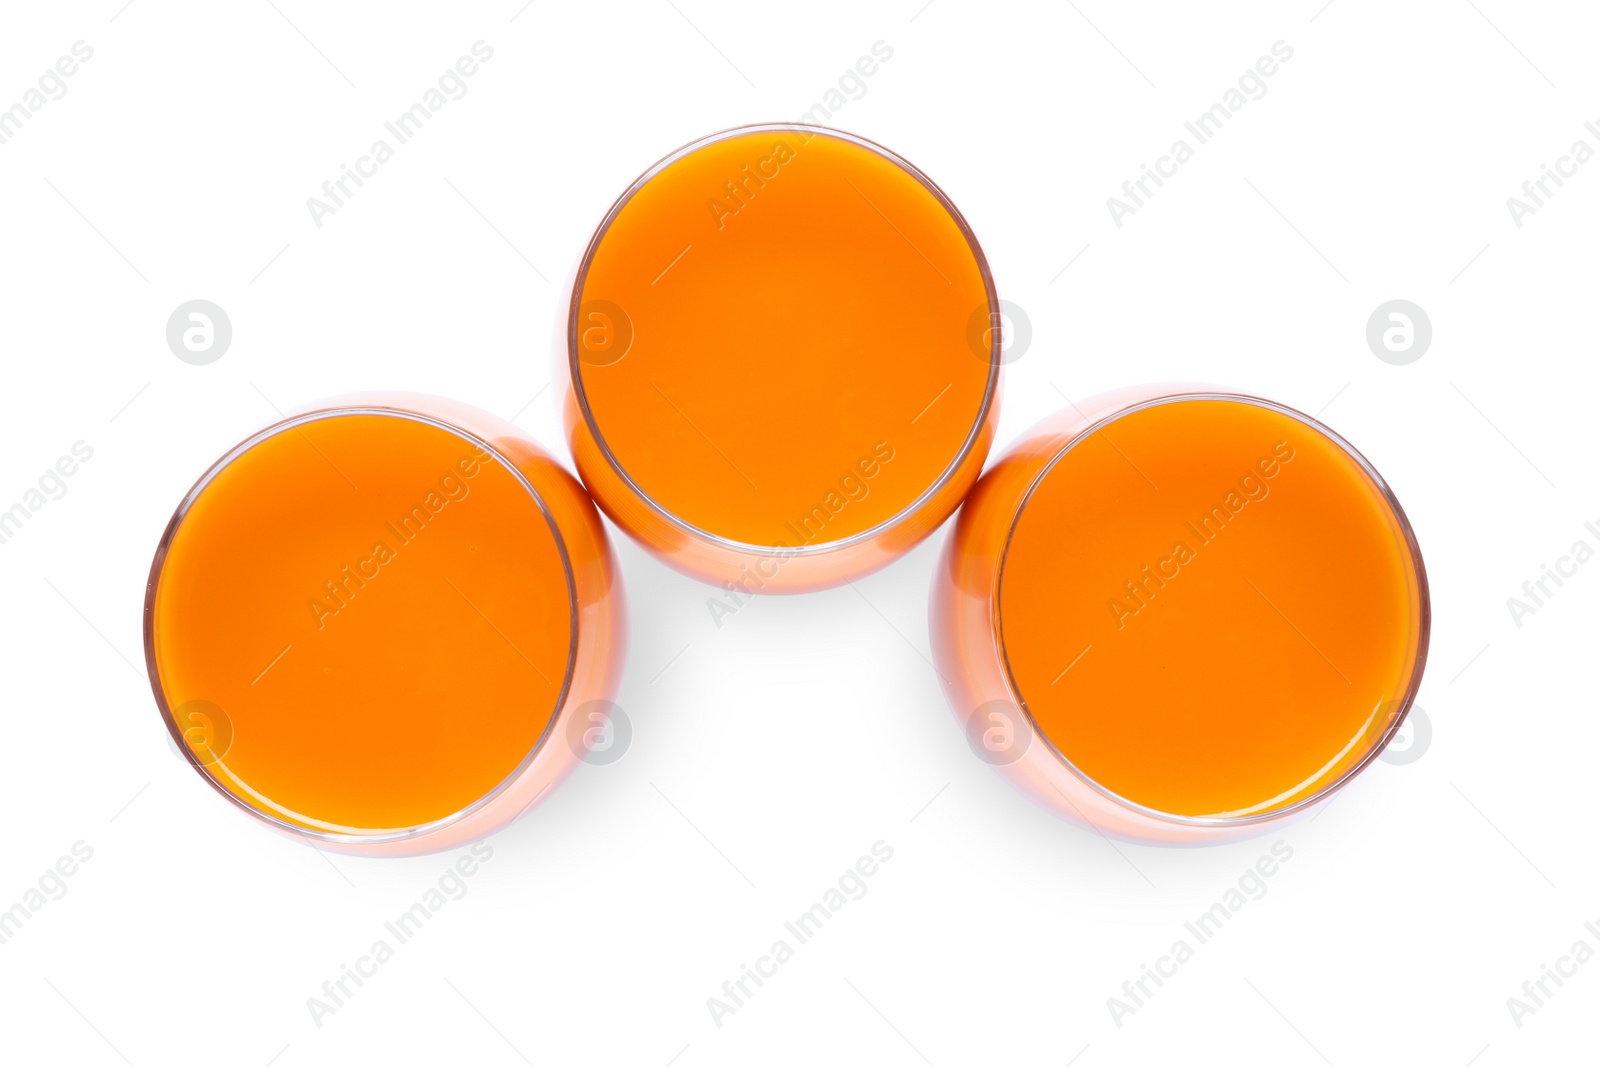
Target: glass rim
pixel 163 548
pixel 991 384
pixel 1416 665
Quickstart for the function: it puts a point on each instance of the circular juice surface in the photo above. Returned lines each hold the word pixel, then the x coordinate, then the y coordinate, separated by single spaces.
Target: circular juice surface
pixel 1209 608
pixel 776 338
pixel 363 622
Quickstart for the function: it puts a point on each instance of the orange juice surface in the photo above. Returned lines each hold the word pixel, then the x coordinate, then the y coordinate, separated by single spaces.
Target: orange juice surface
pixel 782 338
pixel 1209 608
pixel 363 621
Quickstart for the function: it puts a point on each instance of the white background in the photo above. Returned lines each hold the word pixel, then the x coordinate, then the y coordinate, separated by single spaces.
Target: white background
pixel 770 753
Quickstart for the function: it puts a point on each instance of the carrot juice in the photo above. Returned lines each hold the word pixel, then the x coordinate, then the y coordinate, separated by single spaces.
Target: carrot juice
pixel 783 358
pixel 365 623
pixel 1206 610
